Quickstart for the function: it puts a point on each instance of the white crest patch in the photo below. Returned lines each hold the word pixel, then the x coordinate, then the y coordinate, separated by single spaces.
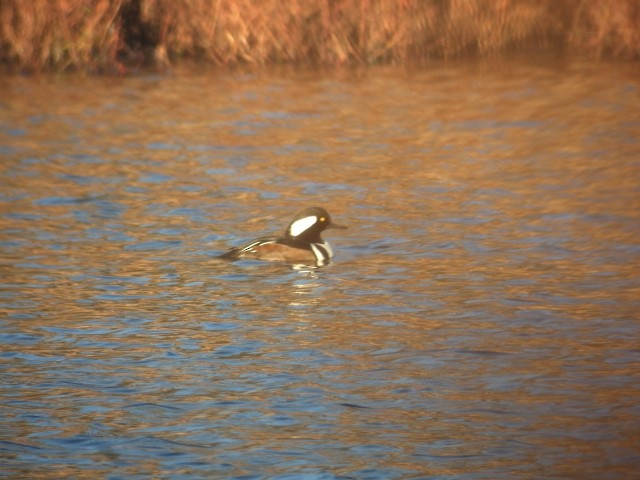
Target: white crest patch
pixel 300 226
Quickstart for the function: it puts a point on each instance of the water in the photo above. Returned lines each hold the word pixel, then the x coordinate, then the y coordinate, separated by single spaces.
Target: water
pixel 480 319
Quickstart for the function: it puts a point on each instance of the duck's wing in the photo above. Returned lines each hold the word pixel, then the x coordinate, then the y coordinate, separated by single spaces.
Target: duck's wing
pixel 247 250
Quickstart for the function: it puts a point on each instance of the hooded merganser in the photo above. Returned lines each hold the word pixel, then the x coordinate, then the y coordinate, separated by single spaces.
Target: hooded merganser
pixel 301 242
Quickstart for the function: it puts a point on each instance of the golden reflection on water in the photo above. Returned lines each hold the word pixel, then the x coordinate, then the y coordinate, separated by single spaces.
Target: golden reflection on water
pixel 482 305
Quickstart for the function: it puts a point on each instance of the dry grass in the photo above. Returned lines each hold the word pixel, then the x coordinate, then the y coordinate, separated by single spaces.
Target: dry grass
pixel 59 33
pixel 606 27
pixel 102 34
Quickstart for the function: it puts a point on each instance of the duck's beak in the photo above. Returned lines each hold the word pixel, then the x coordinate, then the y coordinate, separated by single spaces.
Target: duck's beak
pixel 335 225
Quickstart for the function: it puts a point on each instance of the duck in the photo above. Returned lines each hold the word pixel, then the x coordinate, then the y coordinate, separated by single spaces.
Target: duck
pixel 301 243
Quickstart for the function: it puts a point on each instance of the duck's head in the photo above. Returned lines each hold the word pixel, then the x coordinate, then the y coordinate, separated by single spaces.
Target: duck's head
pixel 309 223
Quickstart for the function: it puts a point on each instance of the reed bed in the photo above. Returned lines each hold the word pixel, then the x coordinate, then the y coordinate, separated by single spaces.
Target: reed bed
pixel 108 34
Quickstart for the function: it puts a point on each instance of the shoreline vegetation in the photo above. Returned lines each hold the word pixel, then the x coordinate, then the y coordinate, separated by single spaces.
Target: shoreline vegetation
pixel 116 35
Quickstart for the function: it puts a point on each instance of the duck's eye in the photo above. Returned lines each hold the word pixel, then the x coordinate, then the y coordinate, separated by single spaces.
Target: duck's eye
pixel 322 219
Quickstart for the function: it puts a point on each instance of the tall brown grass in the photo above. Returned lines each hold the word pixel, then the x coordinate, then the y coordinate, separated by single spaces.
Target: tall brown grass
pixel 59 33
pixel 99 34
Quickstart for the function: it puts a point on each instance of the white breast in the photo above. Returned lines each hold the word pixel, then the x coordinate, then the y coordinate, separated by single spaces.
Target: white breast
pixel 322 251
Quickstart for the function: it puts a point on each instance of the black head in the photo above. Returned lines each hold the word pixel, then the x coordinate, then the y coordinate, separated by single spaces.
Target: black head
pixel 309 223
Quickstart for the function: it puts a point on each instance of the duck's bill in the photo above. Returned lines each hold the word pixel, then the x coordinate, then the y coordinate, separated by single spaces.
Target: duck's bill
pixel 335 225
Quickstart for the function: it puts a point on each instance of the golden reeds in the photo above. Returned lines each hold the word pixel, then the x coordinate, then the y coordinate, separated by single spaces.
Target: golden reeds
pixel 102 34
pixel 59 33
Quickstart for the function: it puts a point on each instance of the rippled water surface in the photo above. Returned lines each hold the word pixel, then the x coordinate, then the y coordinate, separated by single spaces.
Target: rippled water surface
pixel 480 319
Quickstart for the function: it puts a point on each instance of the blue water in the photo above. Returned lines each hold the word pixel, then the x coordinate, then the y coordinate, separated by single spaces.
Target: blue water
pixel 480 319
